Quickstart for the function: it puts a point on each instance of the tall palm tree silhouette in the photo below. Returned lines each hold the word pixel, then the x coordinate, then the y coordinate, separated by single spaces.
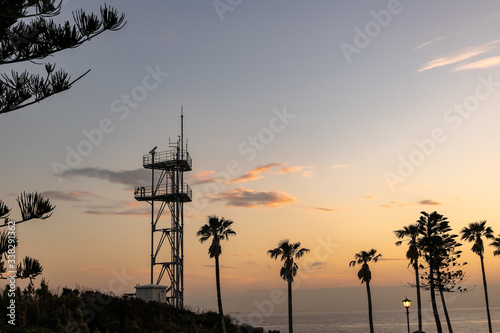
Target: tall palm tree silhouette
pixel 218 229
pixel 287 252
pixel 475 232
pixel 365 275
pixel 411 234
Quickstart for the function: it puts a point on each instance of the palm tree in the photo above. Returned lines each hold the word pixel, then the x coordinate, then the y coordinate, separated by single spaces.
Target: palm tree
pixel 475 233
pixel 288 251
pixel 218 229
pixel 496 245
pixel 364 274
pixel 411 234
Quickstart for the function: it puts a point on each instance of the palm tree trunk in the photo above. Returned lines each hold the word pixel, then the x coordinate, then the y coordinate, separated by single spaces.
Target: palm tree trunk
pixel 445 310
pixel 433 300
pixel 370 315
pixel 419 305
pixel 486 293
pixel 290 312
pixel 219 298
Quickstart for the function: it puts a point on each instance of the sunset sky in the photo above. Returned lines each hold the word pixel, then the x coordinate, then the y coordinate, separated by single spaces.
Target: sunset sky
pixel 331 123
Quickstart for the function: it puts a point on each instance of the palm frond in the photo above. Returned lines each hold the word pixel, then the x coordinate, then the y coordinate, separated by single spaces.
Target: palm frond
pixel 363 258
pixel 496 245
pixel 218 229
pixel 474 233
pixel 288 251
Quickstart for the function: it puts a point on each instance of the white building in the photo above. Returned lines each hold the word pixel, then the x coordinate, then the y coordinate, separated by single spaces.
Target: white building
pixel 151 292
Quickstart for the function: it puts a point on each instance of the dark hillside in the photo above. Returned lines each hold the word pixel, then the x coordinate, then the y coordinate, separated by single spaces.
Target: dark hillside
pixel 74 311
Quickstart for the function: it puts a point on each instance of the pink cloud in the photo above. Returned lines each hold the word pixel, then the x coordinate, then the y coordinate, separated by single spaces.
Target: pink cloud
pixel 485 63
pixel 458 56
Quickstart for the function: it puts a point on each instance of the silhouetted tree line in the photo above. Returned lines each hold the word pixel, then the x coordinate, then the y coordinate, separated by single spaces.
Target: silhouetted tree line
pixel 79 311
pixel 433 252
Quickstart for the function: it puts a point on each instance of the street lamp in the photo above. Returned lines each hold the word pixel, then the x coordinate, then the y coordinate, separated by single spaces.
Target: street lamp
pixel 406 304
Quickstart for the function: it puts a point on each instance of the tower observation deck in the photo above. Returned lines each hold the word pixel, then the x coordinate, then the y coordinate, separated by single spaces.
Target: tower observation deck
pixel 168 189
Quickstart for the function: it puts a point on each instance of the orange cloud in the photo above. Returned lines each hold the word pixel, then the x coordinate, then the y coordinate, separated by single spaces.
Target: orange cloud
pixel 458 56
pixel 291 169
pixel 209 176
pixel 302 170
pixel 205 173
pixel 204 177
pixel 338 166
pixel 255 173
pixel 247 198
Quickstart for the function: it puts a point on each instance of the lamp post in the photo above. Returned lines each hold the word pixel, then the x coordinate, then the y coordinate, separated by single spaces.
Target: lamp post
pixel 406 304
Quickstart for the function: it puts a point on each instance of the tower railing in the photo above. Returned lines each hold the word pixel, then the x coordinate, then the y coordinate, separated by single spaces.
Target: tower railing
pixel 166 193
pixel 166 159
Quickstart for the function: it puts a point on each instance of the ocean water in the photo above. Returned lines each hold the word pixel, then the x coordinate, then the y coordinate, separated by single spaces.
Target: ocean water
pixel 471 320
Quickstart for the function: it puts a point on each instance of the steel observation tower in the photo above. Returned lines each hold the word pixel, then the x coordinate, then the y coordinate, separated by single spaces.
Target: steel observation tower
pixel 168 190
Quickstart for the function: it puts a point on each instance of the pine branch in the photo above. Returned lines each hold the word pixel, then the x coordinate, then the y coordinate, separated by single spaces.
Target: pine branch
pixel 19 9
pixel 34 206
pixel 42 36
pixel 4 211
pixel 29 268
pixel 20 90
pixel 22 40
